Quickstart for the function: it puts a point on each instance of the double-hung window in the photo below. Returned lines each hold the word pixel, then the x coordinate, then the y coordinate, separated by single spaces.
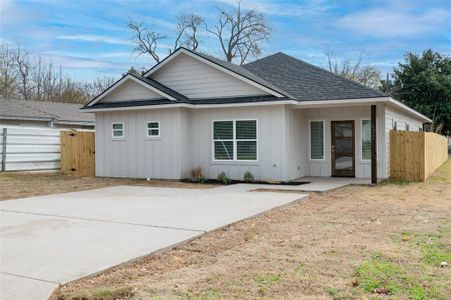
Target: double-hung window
pixel 316 139
pixel 235 140
pixel 118 130
pixel 153 129
pixel 366 139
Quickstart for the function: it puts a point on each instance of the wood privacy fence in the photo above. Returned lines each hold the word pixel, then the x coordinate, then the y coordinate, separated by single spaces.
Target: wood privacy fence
pixel 416 155
pixel 78 153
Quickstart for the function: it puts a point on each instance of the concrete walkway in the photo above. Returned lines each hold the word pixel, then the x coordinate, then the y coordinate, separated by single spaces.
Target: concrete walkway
pixel 58 238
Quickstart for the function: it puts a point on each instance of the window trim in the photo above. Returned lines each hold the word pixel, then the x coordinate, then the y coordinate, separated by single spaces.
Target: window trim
pixel 147 129
pixel 234 140
pixel 112 130
pixel 361 140
pixel 310 139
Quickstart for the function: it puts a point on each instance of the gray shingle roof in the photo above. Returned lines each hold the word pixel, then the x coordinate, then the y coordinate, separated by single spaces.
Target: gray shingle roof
pixel 43 110
pixel 307 82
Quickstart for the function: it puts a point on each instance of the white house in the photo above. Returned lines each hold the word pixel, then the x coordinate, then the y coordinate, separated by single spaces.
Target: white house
pixel 278 117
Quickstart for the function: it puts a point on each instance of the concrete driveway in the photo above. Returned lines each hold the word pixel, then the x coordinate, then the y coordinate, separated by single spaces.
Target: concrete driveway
pixel 58 238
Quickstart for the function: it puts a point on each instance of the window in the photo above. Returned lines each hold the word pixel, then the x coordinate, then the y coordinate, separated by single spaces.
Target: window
pixel 366 139
pixel 235 140
pixel 407 127
pixel 316 139
pixel 395 125
pixel 118 130
pixel 153 129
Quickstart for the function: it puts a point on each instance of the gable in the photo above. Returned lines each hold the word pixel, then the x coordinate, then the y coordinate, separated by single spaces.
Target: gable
pixel 196 79
pixel 130 90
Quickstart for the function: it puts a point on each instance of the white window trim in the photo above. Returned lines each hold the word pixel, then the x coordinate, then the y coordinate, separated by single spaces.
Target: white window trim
pixel 310 140
pixel 147 129
pixel 234 140
pixel 361 140
pixel 123 131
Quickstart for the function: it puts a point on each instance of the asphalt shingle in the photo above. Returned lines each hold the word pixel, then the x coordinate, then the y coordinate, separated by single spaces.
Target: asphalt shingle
pixel 307 82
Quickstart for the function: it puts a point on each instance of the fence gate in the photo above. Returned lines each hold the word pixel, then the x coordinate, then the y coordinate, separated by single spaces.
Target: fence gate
pixel 78 153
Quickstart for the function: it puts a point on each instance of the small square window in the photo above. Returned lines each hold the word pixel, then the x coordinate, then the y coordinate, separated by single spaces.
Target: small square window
pixel 153 129
pixel 118 130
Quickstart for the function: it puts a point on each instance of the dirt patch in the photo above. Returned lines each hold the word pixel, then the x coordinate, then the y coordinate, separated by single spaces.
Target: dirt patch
pixel 15 185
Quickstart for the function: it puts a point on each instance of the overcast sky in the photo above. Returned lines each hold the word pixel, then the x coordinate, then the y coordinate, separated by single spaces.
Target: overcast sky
pixel 90 38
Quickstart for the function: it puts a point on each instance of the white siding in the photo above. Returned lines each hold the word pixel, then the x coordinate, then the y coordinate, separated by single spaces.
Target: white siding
pixel 393 115
pixel 30 149
pixel 137 155
pixel 296 143
pixel 362 168
pixel 130 90
pixel 270 147
pixel 196 79
pixel 185 143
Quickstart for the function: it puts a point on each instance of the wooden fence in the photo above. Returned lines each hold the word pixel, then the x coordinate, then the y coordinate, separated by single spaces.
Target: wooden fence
pixel 416 155
pixel 78 153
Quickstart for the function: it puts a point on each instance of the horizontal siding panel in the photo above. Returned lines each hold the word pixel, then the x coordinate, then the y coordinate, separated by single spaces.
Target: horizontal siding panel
pixel 32 166
pixel 32 157
pixel 32 149
pixel 196 79
pixel 32 131
pixel 33 140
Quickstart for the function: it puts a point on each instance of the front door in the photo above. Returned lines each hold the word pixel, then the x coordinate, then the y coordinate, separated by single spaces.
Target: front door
pixel 343 148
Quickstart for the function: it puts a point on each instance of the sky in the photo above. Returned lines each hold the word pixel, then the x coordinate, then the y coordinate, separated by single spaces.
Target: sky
pixel 90 38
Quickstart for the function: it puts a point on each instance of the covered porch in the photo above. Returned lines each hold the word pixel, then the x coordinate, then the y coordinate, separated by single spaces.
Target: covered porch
pixel 344 141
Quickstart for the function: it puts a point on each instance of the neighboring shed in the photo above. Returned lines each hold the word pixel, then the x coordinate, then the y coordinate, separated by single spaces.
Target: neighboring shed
pixel 43 114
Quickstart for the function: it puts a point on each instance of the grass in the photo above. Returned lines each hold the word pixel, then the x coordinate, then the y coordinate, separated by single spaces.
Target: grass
pixel 416 279
pixel 357 242
pixel 102 294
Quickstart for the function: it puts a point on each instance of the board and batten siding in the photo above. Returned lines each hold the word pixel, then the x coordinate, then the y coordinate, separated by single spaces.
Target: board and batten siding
pixel 270 127
pixel 185 142
pixel 130 91
pixel 323 167
pixel 393 115
pixel 196 79
pixel 136 155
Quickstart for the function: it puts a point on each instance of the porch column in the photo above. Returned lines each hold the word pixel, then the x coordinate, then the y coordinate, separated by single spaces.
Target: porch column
pixel 373 146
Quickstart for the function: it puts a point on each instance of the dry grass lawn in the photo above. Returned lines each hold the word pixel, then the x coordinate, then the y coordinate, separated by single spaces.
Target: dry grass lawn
pixel 354 242
pixel 15 185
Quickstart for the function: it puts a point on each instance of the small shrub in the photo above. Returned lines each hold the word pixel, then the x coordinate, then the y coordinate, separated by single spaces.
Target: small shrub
pixel 197 175
pixel 224 178
pixel 248 177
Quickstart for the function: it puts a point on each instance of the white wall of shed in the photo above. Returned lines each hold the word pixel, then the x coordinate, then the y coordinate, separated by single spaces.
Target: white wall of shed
pixel 196 79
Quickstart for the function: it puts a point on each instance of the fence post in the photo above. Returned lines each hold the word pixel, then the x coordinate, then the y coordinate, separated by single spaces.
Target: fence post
pixel 5 132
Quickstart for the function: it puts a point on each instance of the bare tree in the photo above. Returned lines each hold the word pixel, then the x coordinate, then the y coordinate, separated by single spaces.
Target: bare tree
pixel 188 26
pixel 24 68
pixel 240 33
pixel 146 39
pixel 7 72
pixel 353 69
